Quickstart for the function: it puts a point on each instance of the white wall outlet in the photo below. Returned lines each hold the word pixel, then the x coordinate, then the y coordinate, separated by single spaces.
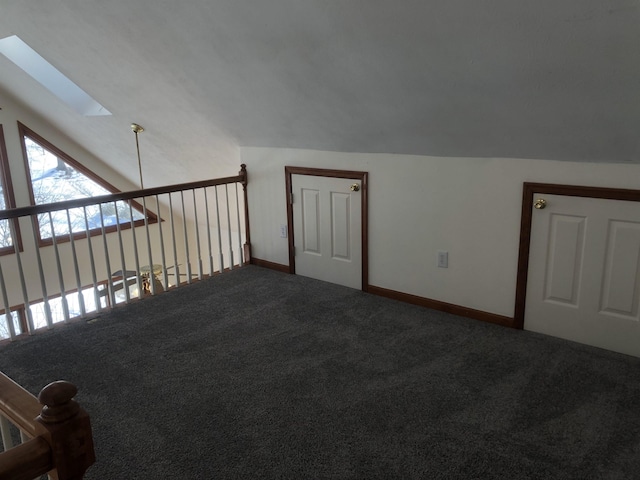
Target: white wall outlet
pixel 283 231
pixel 443 259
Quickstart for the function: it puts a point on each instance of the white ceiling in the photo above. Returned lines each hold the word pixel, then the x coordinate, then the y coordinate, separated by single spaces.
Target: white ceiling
pixel 555 79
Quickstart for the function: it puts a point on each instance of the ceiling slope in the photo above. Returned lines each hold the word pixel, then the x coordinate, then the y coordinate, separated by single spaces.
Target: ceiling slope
pixel 490 78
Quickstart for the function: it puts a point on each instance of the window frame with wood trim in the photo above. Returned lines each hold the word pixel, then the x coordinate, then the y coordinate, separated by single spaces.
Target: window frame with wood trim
pixel 9 198
pixel 86 172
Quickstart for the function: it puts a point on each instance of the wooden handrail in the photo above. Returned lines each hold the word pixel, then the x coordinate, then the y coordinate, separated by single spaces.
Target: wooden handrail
pixel 61 443
pixel 18 405
pixel 27 461
pixel 114 197
pixel 31 261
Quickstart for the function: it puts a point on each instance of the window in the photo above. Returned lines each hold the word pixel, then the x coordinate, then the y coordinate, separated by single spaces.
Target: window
pixel 17 316
pixel 6 201
pixel 53 176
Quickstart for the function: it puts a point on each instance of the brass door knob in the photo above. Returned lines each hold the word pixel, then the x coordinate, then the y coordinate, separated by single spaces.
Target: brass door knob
pixel 540 203
pixel 355 187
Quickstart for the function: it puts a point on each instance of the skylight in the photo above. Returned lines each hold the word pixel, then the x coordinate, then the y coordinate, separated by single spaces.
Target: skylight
pixel 50 77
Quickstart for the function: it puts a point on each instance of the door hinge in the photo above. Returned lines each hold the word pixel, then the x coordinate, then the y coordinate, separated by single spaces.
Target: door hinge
pixel 291 198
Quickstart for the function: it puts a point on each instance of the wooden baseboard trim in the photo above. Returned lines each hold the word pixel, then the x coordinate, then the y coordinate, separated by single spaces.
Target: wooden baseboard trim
pixel 443 306
pixel 273 266
pixel 412 299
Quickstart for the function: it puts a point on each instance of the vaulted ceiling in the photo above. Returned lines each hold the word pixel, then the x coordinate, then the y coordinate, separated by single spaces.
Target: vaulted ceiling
pixel 553 79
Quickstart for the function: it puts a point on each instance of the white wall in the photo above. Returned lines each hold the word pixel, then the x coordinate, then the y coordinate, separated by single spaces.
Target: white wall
pixel 11 112
pixel 419 205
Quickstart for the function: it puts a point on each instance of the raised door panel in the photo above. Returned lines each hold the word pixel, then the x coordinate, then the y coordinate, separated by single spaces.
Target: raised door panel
pixel 341 234
pixel 564 259
pixel 311 227
pixel 622 257
pixel 583 282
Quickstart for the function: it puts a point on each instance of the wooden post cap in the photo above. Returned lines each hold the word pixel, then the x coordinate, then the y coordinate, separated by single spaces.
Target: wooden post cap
pixel 67 430
pixel 243 174
pixel 57 401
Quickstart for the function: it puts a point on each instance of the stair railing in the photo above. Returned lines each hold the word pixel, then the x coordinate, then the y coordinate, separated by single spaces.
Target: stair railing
pixel 188 231
pixel 55 433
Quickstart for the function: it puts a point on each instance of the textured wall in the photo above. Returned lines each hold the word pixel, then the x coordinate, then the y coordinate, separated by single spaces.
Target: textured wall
pixel 419 205
pixel 459 78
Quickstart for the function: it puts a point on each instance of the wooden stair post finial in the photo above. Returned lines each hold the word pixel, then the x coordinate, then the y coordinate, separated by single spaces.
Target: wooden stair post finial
pixel 67 429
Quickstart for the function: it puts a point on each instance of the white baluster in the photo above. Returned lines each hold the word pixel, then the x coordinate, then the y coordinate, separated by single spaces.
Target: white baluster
pixel 206 207
pixel 43 283
pixel 152 284
pixel 186 238
pixel 219 232
pixel 125 286
pixel 83 310
pixel 226 192
pixel 176 266
pixel 7 308
pixel 112 297
pixel 5 431
pixel 195 219
pixel 63 295
pixel 240 249
pixel 135 250
pixel 92 262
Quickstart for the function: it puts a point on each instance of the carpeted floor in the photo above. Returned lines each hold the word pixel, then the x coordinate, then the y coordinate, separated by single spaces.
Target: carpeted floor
pixel 259 374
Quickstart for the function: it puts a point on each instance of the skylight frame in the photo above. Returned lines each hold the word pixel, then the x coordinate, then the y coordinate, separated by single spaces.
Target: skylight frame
pixel 31 62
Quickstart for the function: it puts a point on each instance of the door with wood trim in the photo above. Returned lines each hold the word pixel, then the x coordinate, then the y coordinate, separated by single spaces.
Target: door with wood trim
pixel 584 271
pixel 327 240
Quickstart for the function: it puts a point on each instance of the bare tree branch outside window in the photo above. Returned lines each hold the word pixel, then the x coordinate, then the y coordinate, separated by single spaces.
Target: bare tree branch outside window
pixel 53 180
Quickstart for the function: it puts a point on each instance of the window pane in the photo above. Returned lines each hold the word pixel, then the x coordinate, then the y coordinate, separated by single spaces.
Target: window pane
pixel 4 326
pixel 5 233
pixel 54 180
pixel 6 202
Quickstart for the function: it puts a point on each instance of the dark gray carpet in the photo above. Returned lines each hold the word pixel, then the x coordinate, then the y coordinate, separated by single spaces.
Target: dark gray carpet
pixel 258 374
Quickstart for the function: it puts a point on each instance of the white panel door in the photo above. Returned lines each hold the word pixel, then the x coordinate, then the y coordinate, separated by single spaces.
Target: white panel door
pixel 327 226
pixel 583 281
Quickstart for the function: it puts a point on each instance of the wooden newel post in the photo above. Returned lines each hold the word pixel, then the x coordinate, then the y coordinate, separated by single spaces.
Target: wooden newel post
pixel 67 429
pixel 247 245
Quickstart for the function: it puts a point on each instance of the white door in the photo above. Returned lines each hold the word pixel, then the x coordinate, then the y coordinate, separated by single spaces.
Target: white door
pixel 327 229
pixel 583 281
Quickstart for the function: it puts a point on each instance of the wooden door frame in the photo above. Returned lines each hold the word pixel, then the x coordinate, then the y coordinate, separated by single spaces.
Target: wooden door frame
pixel 525 227
pixel 364 193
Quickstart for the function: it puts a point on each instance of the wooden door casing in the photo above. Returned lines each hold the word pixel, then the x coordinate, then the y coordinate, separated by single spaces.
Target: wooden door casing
pixel 528 191
pixel 362 178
